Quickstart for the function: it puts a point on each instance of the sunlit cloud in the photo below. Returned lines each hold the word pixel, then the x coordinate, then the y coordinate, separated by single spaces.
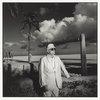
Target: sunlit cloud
pixel 87 9
pixel 69 28
pixel 9 43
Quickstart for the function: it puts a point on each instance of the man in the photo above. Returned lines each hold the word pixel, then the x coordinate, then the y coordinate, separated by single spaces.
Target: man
pixel 50 72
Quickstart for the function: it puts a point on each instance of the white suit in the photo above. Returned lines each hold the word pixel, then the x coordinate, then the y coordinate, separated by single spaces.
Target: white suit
pixel 50 72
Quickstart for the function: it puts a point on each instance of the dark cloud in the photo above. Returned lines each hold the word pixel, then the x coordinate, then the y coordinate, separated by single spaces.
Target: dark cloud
pixel 43 11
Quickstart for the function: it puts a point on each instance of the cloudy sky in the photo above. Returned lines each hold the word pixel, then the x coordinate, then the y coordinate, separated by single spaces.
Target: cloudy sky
pixel 60 23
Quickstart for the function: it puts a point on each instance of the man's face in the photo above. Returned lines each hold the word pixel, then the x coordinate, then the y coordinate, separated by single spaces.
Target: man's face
pixel 52 51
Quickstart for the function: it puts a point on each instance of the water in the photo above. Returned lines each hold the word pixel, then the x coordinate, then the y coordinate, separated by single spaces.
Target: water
pixel 63 57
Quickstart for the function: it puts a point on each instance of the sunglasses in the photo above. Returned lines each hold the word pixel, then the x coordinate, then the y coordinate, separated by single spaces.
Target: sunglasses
pixel 53 49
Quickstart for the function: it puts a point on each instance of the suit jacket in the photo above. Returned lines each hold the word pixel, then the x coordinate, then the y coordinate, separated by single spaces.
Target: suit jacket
pixel 50 74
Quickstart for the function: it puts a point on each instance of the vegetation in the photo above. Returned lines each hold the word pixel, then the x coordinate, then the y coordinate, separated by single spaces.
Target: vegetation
pixel 79 89
pixel 26 84
pixel 30 20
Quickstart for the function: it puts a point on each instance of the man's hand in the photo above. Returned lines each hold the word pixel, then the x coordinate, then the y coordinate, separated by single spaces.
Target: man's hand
pixel 68 76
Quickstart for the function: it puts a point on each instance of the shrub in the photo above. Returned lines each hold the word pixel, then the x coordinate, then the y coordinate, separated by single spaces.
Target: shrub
pixel 79 89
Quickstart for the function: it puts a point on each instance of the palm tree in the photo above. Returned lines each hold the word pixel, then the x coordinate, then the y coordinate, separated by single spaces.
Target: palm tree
pixel 31 21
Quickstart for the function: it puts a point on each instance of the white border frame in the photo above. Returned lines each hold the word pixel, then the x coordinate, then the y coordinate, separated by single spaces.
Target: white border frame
pixel 42 98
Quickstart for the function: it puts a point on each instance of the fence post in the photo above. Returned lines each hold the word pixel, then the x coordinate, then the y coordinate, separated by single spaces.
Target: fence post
pixel 83 54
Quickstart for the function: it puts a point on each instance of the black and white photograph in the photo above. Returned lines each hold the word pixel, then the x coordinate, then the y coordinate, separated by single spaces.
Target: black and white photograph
pixel 49 49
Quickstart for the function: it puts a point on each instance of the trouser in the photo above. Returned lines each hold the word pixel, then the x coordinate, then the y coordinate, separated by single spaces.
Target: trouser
pixel 52 93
